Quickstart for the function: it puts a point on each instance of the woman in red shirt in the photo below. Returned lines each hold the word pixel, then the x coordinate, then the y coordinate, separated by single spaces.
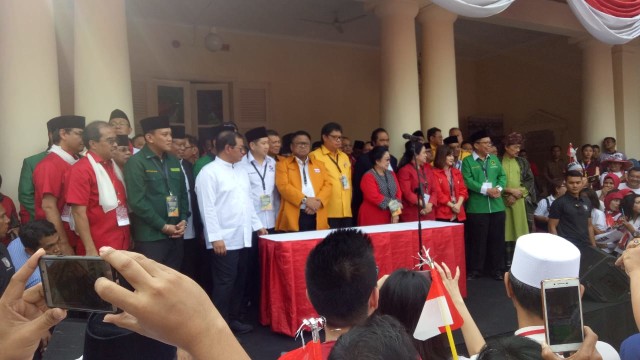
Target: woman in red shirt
pixel 380 190
pixel 410 179
pixel 451 189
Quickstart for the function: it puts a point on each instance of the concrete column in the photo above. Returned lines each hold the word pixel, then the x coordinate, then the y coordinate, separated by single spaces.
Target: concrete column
pixel 626 80
pixel 439 93
pixel 598 109
pixel 400 105
pixel 102 72
pixel 29 91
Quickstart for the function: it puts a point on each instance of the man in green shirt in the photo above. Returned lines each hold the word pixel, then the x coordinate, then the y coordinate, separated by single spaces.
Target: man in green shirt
pixel 207 158
pixel 157 195
pixel 26 190
pixel 484 230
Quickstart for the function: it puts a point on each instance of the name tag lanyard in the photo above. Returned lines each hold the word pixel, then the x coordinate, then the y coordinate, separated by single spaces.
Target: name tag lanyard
pixel 451 189
pixel 164 171
pixel 264 175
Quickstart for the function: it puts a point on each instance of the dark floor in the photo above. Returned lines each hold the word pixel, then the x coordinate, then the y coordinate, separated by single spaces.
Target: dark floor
pixel 491 309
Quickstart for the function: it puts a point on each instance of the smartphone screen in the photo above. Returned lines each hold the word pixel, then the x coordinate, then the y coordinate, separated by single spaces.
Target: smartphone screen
pixel 563 314
pixel 68 282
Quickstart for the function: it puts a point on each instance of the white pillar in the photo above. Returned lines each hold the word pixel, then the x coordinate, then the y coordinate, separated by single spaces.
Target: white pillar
pixel 439 93
pixel 102 71
pixel 400 104
pixel 29 90
pixel 598 109
pixel 626 72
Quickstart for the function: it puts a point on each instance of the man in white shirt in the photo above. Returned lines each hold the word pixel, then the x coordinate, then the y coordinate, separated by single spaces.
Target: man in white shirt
pixel 538 257
pixel 633 180
pixel 224 197
pixel 261 169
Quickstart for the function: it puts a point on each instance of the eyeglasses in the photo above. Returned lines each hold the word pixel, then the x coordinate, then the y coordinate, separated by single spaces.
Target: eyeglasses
pixel 487 142
pixel 119 123
pixel 242 148
pixel 302 144
pixel 336 137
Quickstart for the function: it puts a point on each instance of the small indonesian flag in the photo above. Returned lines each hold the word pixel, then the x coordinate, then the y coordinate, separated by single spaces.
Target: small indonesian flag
pixel 437 312
pixel 311 351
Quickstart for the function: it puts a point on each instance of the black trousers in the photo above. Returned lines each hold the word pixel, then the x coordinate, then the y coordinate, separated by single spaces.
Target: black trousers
pixel 306 222
pixel 196 263
pixel 340 223
pixel 252 291
pixel 229 280
pixel 484 238
pixel 166 251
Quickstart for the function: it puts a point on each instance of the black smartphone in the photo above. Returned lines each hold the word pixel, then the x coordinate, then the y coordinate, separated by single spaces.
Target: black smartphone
pixel 563 314
pixel 68 282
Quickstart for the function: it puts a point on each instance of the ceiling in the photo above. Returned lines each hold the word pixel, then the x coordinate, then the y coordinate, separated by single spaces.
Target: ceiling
pixel 474 39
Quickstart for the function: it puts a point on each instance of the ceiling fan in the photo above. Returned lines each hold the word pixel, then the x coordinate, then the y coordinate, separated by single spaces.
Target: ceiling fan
pixel 336 22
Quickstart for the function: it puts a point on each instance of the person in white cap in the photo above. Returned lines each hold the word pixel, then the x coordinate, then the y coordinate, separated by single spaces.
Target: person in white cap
pixel 538 257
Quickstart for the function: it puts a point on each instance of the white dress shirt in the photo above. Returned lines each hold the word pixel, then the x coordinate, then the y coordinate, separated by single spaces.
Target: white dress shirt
pixel 623 186
pixel 257 173
pixel 189 231
pixel 224 197
pixel 307 187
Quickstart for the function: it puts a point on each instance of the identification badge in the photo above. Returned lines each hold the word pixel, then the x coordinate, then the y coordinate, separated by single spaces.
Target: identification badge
pixel 122 215
pixel 345 182
pixel 426 199
pixel 172 206
pixel 265 203
pixel 66 213
pixel 486 186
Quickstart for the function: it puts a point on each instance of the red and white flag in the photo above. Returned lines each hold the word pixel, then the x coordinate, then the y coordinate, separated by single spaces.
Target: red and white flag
pixel 437 312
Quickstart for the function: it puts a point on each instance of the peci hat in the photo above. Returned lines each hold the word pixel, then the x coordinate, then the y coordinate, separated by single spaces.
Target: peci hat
pixel 153 123
pixel 256 133
pixel 480 134
pixel 542 256
pixel 122 140
pixel 451 140
pixel 177 131
pixel 66 122
pixel 118 114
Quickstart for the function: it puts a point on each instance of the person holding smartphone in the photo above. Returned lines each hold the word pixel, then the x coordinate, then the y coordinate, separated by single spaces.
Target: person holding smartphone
pixel 538 257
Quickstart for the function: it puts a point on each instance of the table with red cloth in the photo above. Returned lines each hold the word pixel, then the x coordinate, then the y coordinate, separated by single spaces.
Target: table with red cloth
pixel 284 302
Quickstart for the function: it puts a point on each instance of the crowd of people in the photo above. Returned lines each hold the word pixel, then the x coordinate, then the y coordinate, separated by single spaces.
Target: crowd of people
pixel 199 207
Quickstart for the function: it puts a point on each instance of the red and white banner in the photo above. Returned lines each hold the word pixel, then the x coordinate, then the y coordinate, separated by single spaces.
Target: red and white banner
pixel 613 22
pixel 474 8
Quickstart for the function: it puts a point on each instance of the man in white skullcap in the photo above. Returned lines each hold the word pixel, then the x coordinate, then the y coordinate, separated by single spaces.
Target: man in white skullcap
pixel 537 257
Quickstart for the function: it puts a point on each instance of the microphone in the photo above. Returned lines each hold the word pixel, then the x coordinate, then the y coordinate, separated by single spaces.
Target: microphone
pixel 410 137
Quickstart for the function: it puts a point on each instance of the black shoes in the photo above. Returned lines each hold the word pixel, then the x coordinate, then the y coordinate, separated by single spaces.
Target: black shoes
pixel 474 274
pixel 239 328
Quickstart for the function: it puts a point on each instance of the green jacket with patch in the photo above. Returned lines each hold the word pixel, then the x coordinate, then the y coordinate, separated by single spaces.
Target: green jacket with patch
pixel 150 180
pixel 475 173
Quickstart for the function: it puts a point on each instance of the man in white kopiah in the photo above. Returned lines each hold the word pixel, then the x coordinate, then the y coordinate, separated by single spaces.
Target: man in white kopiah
pixel 537 257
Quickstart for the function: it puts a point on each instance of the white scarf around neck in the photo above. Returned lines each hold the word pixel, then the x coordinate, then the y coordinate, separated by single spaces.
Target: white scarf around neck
pixel 106 190
pixel 70 159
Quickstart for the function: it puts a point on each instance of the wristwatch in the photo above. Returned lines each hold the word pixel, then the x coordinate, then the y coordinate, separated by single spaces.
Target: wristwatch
pixel 304 200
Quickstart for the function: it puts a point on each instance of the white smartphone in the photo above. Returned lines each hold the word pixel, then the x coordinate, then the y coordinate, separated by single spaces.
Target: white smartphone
pixel 562 310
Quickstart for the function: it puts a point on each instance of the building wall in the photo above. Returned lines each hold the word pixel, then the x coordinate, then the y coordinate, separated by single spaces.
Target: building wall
pixel 310 82
pixel 534 88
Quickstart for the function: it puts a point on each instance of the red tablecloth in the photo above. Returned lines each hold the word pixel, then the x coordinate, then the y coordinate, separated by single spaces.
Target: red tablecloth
pixel 283 257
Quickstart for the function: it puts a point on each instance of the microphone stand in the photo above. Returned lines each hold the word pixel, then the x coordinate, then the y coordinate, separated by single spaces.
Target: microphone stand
pixel 420 192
